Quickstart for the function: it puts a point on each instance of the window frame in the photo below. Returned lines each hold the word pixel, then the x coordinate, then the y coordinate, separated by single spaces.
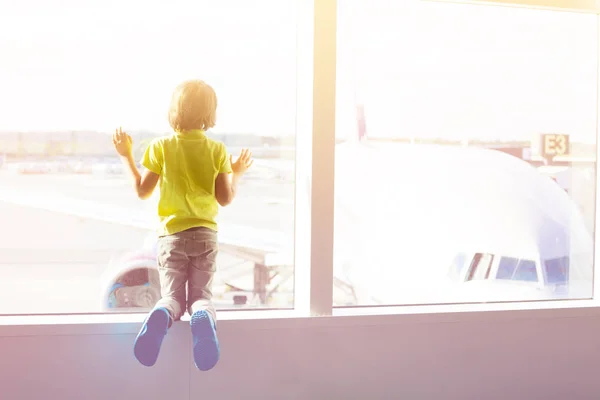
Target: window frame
pixel 582 6
pixel 313 288
pixel 585 6
pixel 323 158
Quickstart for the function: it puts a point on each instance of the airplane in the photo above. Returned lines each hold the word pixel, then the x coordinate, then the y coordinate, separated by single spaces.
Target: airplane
pixel 449 224
pixel 579 181
pixel 415 223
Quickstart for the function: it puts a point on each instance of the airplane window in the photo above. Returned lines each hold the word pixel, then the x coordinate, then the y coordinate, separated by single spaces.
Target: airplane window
pixel 516 269
pixel 526 271
pixel 480 267
pixel 80 240
pixel 457 266
pixel 506 268
pixel 557 270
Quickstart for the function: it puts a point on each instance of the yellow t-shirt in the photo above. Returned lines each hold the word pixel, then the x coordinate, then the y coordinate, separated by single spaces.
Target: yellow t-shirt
pixel 188 164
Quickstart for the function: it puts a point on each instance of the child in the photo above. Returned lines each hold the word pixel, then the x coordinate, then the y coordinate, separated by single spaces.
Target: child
pixel 196 176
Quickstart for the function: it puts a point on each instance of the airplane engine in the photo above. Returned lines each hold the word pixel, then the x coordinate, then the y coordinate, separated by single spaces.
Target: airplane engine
pixel 132 282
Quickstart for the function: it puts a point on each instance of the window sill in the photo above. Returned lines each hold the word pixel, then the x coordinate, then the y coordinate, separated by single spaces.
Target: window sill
pixel 453 309
pixel 129 324
pixel 113 324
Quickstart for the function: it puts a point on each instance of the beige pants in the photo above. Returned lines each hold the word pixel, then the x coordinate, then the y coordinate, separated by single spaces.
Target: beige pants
pixel 187 257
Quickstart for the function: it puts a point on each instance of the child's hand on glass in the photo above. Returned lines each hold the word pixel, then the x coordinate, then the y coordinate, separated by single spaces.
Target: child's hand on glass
pixel 243 162
pixel 122 142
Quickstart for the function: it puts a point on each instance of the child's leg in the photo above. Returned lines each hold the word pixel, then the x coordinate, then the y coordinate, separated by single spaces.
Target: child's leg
pixel 148 341
pixel 203 257
pixel 173 273
pixel 172 268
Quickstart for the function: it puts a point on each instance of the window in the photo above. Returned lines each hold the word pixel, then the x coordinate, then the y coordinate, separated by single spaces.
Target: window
pixel 480 267
pixel 457 266
pixel 463 128
pixel 515 269
pixel 75 238
pixel 557 270
pixel 455 125
pixel 526 271
pixel 506 268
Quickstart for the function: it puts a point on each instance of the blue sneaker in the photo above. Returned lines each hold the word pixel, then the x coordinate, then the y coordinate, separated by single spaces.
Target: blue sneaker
pixel 147 343
pixel 206 345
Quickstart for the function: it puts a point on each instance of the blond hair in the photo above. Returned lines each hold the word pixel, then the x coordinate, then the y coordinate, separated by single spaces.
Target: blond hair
pixel 193 106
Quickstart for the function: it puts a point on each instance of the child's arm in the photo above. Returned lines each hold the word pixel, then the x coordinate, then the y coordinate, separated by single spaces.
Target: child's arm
pixel 226 183
pixel 143 184
pixel 226 188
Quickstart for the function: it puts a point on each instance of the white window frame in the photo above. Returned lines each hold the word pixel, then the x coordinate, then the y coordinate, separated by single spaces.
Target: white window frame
pixel 323 158
pixel 584 6
pixel 587 6
pixel 314 275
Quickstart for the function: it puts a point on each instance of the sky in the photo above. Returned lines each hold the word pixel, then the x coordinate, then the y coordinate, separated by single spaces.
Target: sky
pixel 422 69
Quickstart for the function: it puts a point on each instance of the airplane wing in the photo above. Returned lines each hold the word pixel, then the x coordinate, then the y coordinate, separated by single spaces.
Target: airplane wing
pixel 258 245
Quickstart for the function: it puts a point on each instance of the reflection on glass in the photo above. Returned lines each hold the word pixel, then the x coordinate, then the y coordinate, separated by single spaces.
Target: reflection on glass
pixel 465 163
pixel 79 240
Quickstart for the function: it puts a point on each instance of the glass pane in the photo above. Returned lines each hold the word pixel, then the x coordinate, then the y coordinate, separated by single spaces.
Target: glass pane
pixel 464 130
pixel 480 267
pixel 76 236
pixel 506 268
pixel 557 270
pixel 526 271
pixel 457 266
pixel 517 270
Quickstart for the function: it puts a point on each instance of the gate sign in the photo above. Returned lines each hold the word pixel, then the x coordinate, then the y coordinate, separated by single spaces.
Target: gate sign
pixel 554 144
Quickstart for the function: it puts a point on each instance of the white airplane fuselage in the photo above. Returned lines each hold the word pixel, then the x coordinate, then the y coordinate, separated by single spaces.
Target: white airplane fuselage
pixel 405 212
